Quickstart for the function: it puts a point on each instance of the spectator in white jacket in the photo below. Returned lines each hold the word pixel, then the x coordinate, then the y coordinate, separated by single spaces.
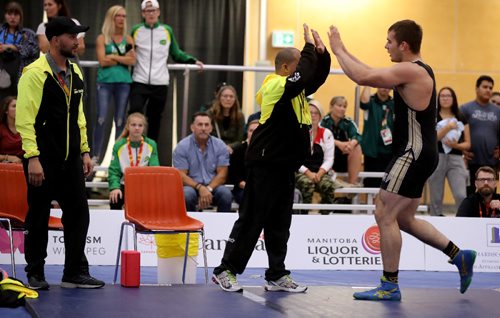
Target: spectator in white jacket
pixel 154 43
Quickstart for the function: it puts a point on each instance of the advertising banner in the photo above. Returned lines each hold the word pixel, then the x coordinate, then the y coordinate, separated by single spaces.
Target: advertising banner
pixel 334 242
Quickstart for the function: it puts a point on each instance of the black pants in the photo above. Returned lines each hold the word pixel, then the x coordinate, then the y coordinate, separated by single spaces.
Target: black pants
pixel 66 184
pixel 375 165
pixel 152 99
pixel 120 202
pixel 267 204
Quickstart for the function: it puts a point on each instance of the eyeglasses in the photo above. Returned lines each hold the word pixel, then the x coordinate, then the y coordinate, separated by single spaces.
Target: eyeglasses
pixel 149 11
pixel 489 180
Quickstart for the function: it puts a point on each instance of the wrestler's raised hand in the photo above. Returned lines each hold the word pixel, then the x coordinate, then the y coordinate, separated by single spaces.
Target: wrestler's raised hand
pixel 335 42
pixel 307 35
pixel 320 47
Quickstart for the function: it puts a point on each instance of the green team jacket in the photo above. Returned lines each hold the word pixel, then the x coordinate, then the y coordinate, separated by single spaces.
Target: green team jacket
pixel 344 131
pixel 121 159
pixel 52 125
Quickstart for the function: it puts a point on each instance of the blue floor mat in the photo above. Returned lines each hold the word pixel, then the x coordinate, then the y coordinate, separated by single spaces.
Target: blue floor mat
pixel 432 294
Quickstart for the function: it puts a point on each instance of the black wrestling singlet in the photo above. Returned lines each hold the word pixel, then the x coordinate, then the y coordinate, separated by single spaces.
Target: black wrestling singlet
pixel 414 145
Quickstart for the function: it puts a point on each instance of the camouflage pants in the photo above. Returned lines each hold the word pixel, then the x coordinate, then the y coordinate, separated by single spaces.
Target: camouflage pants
pixel 325 187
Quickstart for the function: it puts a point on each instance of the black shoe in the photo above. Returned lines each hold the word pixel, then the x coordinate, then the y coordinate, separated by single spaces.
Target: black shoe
pixel 38 282
pixel 81 281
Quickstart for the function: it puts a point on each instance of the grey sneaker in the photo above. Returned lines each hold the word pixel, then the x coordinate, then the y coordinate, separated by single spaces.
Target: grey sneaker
pixel 81 281
pixel 285 283
pixel 227 281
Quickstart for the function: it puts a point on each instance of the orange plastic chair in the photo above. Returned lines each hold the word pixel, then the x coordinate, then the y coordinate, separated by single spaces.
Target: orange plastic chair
pixel 154 204
pixel 14 203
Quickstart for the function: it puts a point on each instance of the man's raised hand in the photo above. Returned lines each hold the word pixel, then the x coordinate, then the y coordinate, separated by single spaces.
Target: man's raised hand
pixel 320 47
pixel 307 35
pixel 335 42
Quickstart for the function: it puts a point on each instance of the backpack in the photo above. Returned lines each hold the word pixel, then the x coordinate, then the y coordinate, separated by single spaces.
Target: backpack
pixel 13 293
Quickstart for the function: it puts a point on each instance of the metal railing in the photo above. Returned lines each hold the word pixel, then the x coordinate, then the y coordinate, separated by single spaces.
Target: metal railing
pixel 187 68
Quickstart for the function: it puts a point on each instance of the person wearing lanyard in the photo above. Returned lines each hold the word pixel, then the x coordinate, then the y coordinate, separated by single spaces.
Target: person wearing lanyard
pixel 18 48
pixel 50 119
pixel 485 202
pixel 131 149
pixel 377 131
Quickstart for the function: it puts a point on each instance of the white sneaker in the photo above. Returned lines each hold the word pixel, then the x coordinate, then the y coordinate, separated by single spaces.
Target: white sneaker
pixel 285 283
pixel 227 281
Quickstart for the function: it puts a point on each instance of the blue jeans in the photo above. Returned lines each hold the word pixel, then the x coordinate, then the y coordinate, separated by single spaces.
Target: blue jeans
pixel 222 197
pixel 120 93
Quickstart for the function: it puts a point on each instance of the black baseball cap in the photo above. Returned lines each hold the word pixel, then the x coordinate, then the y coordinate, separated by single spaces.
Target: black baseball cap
pixel 61 25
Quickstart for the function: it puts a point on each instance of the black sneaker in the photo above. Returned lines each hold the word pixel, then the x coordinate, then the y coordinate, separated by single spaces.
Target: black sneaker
pixel 38 282
pixel 81 281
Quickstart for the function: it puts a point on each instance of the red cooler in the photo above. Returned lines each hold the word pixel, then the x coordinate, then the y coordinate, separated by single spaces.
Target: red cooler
pixel 131 269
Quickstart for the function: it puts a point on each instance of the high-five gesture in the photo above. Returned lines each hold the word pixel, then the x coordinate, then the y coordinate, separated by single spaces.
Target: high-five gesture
pixel 320 47
pixel 315 39
pixel 335 41
pixel 307 34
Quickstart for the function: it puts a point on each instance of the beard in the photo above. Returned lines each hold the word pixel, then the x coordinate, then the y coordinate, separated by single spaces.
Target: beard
pixel 67 53
pixel 486 191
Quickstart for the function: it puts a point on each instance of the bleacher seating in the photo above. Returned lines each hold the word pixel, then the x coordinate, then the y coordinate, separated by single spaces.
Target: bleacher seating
pixel 356 206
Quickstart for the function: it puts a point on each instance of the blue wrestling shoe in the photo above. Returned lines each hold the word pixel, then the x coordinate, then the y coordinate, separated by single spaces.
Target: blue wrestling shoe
pixel 464 261
pixel 386 291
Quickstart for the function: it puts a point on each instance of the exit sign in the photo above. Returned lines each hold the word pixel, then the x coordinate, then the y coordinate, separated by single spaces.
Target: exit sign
pixel 283 39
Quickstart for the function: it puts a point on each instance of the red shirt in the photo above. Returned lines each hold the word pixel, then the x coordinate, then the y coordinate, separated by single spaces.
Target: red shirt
pixel 10 143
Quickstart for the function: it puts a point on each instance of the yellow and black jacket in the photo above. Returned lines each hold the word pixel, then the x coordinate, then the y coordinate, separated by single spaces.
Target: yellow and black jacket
pixel 52 124
pixel 282 138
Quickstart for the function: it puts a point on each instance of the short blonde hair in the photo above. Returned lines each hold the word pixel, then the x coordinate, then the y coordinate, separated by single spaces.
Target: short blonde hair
pixel 337 99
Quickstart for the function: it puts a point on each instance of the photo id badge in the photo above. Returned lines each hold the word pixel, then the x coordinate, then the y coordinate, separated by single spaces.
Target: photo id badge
pixel 386 136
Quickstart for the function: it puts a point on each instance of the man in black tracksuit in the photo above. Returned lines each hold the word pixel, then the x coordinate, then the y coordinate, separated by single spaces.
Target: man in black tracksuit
pixel 52 125
pixel 277 149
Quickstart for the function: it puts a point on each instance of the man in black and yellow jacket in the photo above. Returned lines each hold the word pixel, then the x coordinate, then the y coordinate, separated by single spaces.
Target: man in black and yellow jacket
pixel 52 125
pixel 277 149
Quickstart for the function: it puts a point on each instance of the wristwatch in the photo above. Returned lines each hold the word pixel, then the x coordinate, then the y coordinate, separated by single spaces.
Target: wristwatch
pixel 209 188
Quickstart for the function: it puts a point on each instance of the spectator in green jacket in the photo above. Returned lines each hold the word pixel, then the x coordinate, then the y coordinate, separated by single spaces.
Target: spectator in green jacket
pixel 377 131
pixel 347 139
pixel 131 149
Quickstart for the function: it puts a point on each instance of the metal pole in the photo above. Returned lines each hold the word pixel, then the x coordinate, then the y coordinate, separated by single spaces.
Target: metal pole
pixel 357 100
pixel 185 103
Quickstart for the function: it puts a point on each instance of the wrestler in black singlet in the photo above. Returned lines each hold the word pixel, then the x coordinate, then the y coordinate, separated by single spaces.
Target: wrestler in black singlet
pixel 415 154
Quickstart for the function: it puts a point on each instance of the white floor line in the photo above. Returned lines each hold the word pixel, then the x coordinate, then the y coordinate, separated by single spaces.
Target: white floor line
pixel 363 287
pixel 255 298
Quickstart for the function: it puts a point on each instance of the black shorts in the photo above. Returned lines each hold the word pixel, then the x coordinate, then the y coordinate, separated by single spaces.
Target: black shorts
pixel 406 176
pixel 340 162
